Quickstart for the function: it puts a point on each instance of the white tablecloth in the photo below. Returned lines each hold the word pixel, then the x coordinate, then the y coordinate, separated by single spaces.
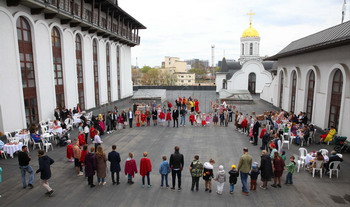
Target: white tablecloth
pixel 58 130
pixel 11 149
pixel 23 136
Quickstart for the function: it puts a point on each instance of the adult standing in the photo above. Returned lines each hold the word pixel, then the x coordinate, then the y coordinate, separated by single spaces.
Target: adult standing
pixel 196 170
pixel 101 166
pixel 183 113
pixel 44 168
pixel 154 116
pixel 244 167
pixel 176 165
pixel 256 131
pixel 130 117
pixel 176 117
pixel 265 169
pixel 114 159
pixel 90 166
pixel 23 161
pixel 77 156
pixel 278 167
pixel 145 169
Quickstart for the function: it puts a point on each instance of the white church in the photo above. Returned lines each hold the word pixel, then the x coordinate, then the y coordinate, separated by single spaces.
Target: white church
pixel 250 72
pixel 60 53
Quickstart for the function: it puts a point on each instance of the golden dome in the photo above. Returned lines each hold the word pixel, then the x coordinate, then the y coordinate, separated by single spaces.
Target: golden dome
pixel 250 32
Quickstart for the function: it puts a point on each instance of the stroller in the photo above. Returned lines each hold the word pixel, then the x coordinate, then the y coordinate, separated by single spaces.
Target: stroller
pixel 62 140
pixel 341 145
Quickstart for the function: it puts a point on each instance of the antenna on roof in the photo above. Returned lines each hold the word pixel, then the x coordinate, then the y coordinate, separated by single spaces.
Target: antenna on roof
pixel 343 12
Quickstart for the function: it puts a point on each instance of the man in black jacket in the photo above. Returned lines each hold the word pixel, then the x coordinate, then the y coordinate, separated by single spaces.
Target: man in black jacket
pixel 176 117
pixel 176 165
pixel 114 158
pixel 23 161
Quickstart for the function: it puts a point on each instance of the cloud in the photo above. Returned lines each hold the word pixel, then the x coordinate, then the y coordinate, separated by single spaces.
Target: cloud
pixel 188 28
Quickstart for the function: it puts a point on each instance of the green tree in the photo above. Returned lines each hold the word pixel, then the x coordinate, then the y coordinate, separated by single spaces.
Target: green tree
pixel 145 69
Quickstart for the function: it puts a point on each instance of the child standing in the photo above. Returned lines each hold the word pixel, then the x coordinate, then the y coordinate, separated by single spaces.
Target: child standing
pixel 291 169
pixel 130 168
pixel 168 117
pixel 208 174
pixel 164 170
pixel 192 118
pixel 220 179
pixel 254 173
pixel 233 178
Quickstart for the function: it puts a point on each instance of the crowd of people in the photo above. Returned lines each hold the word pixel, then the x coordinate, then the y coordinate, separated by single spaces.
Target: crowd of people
pixel 271 127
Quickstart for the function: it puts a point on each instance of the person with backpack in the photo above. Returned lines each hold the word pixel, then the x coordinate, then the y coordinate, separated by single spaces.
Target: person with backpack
pixel 196 170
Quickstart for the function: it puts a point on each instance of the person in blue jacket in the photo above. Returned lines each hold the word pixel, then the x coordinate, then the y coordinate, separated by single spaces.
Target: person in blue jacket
pixel 164 170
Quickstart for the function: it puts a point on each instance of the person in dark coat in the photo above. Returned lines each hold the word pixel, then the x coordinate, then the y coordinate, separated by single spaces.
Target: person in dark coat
pixel 265 169
pixel 114 158
pixel 109 122
pixel 176 165
pixel 45 170
pixel 176 117
pixel 90 166
pixel 256 131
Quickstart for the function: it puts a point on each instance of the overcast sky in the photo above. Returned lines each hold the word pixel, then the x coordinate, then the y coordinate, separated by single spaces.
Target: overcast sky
pixel 187 28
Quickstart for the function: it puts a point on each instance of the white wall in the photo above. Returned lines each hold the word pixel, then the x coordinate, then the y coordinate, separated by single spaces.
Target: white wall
pixel 12 107
pixel 323 63
pixel 219 80
pixel 239 80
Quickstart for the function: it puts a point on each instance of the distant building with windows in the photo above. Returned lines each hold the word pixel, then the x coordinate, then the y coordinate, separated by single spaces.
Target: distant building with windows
pixel 185 79
pixel 60 53
pixel 179 68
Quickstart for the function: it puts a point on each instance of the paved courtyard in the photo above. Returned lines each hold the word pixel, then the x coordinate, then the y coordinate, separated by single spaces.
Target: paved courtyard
pixel 222 144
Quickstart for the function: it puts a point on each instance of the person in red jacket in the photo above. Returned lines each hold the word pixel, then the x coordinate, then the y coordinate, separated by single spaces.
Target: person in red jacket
pixel 196 105
pixel 130 168
pixel 192 118
pixel 92 132
pixel 83 155
pixel 70 151
pixel 81 139
pixel 145 169
pixel 168 117
pixel 170 105
pixel 244 125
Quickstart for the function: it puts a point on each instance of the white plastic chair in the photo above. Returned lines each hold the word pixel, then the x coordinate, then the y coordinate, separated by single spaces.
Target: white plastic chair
pixel 46 144
pixel 13 139
pixel 36 144
pixel 302 154
pixel 285 140
pixel 318 167
pixel 8 136
pixel 333 166
pixel 324 151
pixel 301 163
pixel 69 123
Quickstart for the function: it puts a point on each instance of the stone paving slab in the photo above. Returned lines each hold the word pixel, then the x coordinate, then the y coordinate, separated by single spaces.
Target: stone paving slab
pixel 223 144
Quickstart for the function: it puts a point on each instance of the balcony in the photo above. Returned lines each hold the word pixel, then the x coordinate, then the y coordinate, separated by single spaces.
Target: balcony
pixel 114 24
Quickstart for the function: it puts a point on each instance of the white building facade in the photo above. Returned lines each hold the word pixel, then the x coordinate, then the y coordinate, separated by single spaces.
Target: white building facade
pixel 313 76
pixel 60 54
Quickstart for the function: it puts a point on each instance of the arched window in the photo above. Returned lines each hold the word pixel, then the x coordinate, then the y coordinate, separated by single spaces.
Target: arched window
pixel 24 36
pixel 281 88
pixel 336 96
pixel 252 83
pixel 310 95
pixel 242 49
pixel 118 72
pixel 80 74
pixel 251 49
pixel 108 67
pixel 95 65
pixel 57 66
pixel 294 90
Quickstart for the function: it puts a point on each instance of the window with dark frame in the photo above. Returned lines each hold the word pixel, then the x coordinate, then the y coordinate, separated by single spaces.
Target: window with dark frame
pixel 25 49
pixel 294 90
pixel 310 95
pixel 336 96
pixel 95 65
pixel 80 73
pixel 57 66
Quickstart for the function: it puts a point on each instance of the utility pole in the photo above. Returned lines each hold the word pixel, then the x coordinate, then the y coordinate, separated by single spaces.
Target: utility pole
pixel 212 62
pixel 343 13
